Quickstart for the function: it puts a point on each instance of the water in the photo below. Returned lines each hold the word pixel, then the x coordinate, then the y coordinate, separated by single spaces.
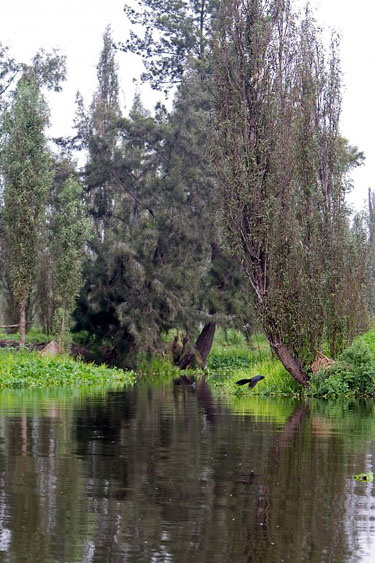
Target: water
pixel 167 473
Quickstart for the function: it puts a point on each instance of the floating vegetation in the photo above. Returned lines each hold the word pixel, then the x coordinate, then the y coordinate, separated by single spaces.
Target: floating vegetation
pixel 365 477
pixel 29 370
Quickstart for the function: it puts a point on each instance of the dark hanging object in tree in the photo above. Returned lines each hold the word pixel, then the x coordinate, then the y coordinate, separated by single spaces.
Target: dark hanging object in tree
pixel 252 382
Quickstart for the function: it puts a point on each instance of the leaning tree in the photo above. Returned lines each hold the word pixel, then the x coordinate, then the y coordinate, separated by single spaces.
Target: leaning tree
pixel 282 165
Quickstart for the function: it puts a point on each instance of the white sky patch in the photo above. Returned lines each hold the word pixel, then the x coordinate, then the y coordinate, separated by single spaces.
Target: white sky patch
pixel 355 23
pixel 77 26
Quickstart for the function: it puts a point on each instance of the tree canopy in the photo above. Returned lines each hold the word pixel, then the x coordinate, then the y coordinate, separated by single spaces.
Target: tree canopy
pixel 179 220
pixel 283 167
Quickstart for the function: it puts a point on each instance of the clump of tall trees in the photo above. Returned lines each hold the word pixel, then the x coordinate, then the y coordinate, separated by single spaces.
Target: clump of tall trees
pixel 156 260
pixel 30 226
pixel 230 204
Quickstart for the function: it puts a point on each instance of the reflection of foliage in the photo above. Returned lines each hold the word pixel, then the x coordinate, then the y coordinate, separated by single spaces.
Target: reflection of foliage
pixel 143 472
pixel 38 400
pixel 263 409
pixel 350 418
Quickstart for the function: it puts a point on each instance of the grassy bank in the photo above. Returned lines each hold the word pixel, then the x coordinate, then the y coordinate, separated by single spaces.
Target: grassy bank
pixel 232 359
pixel 29 370
pixel 351 376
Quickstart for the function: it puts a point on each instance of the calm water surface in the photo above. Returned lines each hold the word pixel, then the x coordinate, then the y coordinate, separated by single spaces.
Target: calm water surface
pixel 168 473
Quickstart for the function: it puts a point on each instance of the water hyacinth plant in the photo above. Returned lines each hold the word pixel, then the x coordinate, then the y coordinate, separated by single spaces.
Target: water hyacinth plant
pixel 30 370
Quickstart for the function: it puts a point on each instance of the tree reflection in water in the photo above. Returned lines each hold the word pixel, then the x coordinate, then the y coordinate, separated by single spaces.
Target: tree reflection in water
pixel 170 473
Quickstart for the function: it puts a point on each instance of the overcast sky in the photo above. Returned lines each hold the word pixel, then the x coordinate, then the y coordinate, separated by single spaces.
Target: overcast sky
pixel 77 26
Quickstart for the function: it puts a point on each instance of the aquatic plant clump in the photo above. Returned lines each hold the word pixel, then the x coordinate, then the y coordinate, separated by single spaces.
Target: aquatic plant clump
pixel 365 477
pixel 30 370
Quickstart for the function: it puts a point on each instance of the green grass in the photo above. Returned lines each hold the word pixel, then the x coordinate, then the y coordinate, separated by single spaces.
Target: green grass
pixel 352 375
pixel 277 381
pixel 29 370
pixel 33 336
pixel 232 359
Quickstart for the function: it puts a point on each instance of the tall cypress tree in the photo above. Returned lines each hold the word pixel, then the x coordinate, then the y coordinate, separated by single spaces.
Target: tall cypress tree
pixel 181 54
pixel 99 133
pixel 27 172
pixel 69 237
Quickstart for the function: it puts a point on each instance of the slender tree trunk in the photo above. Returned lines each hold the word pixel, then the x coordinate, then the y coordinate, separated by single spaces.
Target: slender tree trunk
pixel 290 363
pixel 205 340
pixel 23 323
pixel 62 335
pixel 201 29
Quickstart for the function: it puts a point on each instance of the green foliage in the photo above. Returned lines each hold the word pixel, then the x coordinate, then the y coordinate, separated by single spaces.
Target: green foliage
pixel 30 370
pixel 157 366
pixel 283 169
pixel 370 270
pixel 234 342
pixel 61 328
pixel 156 260
pixel 183 35
pixel 229 337
pixel 33 336
pixel 70 233
pixel 352 375
pixel 8 71
pixel 26 166
pixel 27 177
pixel 229 362
pixel 277 382
pixel 49 69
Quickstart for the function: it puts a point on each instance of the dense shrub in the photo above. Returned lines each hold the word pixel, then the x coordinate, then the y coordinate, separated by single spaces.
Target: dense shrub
pixel 353 374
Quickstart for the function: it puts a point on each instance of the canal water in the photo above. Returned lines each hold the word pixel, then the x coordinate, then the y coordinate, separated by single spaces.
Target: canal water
pixel 171 473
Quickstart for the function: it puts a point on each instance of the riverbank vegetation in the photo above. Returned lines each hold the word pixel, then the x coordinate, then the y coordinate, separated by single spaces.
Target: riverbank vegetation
pixel 350 376
pixel 353 373
pixel 29 370
pixel 233 357
pixel 226 210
